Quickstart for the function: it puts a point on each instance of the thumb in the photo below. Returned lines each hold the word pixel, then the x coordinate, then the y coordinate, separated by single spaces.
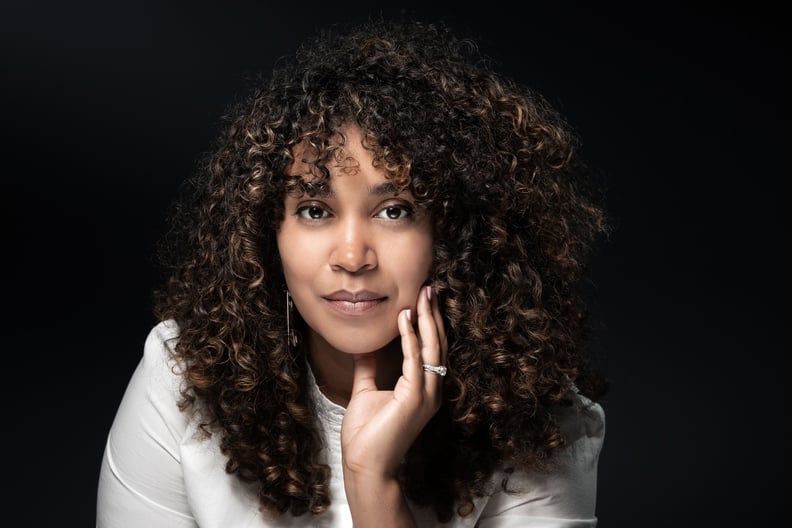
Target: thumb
pixel 365 373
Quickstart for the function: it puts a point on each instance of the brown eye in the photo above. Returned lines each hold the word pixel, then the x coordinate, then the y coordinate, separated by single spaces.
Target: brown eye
pixel 312 212
pixel 395 212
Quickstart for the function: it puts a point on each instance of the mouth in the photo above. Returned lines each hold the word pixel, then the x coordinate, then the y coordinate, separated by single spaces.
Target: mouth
pixel 354 303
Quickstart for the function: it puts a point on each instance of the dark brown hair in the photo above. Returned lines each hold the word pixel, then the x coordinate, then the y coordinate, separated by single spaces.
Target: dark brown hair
pixel 515 220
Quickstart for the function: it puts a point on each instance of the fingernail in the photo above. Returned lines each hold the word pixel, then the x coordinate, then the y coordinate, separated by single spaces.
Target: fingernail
pixel 429 293
pixel 408 314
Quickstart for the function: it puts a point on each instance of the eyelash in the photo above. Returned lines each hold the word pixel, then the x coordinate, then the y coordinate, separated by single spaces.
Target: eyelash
pixel 302 212
pixel 408 211
pixel 405 212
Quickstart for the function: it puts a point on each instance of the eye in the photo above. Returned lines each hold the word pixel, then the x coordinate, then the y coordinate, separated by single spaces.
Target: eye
pixel 312 212
pixel 395 212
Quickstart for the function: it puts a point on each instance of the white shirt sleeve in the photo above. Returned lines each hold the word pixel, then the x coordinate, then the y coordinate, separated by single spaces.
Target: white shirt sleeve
pixel 141 482
pixel 565 498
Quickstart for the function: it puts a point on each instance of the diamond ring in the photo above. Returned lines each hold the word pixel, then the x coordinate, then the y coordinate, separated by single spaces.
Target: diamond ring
pixel 440 371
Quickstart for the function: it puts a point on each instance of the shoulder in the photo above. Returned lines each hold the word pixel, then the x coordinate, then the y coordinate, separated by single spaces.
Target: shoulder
pixel 157 376
pixel 155 386
pixel 141 469
pixel 159 344
pixel 583 427
pixel 567 494
pixel 149 413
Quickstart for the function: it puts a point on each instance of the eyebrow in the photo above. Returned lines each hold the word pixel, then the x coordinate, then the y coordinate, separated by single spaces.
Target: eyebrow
pixel 382 189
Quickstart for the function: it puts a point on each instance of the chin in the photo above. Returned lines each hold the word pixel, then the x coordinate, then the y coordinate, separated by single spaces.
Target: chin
pixel 356 343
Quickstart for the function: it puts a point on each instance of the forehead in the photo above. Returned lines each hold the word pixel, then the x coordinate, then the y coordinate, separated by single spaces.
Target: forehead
pixel 343 153
pixel 315 169
pixel 316 164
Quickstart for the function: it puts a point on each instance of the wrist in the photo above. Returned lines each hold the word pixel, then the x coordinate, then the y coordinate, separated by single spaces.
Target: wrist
pixel 376 500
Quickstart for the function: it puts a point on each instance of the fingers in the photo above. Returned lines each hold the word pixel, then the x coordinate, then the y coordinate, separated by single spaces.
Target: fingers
pixel 428 328
pixel 411 366
pixel 423 342
pixel 433 341
pixel 440 328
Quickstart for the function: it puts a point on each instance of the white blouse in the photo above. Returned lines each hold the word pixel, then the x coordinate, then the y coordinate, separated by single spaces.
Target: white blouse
pixel 157 473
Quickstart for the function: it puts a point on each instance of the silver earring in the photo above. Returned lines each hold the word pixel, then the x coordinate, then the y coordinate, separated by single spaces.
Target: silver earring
pixel 291 335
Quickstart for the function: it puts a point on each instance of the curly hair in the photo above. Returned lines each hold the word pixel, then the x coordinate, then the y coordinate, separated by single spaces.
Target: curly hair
pixel 515 218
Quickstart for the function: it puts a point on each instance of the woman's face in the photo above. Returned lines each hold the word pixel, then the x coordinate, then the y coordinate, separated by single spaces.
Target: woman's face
pixel 356 256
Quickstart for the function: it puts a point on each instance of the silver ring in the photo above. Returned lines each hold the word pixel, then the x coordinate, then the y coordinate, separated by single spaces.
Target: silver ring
pixel 440 371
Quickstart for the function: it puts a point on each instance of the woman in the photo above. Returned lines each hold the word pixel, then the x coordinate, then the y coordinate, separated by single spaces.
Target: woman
pixel 372 314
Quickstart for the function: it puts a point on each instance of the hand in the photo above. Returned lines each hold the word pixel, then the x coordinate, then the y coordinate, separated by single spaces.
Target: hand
pixel 380 425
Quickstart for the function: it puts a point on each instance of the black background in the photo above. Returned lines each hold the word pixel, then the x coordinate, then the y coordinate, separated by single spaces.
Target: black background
pixel 107 106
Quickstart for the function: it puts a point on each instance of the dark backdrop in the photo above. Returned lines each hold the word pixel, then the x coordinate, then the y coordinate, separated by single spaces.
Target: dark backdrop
pixel 107 105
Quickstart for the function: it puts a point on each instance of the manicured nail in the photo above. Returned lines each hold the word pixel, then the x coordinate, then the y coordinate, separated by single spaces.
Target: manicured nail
pixel 429 293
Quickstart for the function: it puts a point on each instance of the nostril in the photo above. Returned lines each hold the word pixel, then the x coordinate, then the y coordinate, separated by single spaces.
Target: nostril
pixel 354 260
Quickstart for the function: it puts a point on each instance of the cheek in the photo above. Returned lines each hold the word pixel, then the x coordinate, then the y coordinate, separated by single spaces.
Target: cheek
pixel 295 252
pixel 290 262
pixel 424 251
pixel 414 262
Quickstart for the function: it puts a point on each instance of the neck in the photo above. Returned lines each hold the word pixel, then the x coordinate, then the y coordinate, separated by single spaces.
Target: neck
pixel 334 369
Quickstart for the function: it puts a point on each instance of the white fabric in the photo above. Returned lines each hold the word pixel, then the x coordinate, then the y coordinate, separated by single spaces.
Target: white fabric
pixel 156 473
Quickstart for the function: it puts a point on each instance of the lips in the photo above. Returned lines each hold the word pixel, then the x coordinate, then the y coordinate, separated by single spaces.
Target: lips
pixel 354 303
pixel 360 296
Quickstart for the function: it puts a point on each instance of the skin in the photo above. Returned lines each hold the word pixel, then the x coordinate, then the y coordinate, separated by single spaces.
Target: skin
pixel 367 355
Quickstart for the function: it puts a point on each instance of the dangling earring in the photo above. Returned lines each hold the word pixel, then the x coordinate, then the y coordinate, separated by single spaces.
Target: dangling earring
pixel 291 335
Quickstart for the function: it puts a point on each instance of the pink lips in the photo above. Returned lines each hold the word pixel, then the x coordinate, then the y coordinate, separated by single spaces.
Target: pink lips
pixel 354 303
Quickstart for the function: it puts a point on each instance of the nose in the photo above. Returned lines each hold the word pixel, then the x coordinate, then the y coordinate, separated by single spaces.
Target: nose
pixel 353 250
